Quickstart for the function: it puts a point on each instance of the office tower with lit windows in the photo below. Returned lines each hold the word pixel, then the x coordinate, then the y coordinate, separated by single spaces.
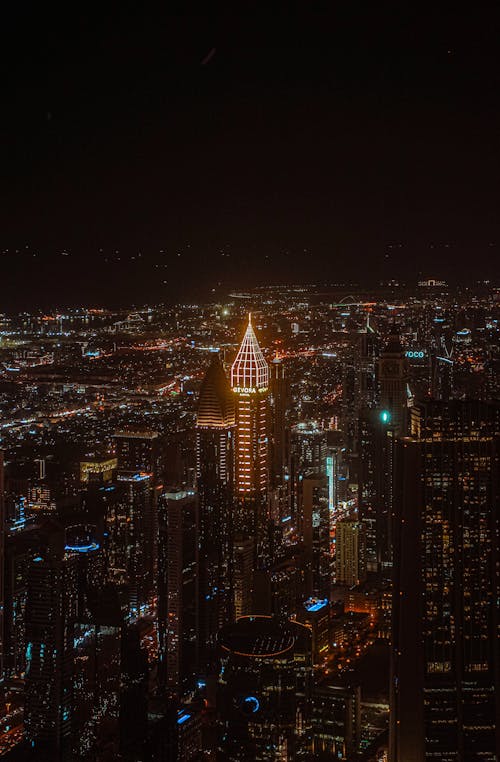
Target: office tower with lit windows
pixel 137 451
pixel 336 720
pixel 215 428
pixel 375 449
pixel 97 677
pixel 177 589
pixel 50 624
pixel 131 523
pixel 314 530
pixel 83 542
pixel 393 384
pixel 263 701
pixel 315 614
pixel 280 440
pixel 250 385
pixel 445 688
pixel 309 452
pixel 19 547
pixel 350 553
pixel 309 448
pixel 243 555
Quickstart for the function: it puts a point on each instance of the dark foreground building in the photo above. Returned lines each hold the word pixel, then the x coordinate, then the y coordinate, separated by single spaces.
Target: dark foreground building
pixel 445 650
pixel 264 698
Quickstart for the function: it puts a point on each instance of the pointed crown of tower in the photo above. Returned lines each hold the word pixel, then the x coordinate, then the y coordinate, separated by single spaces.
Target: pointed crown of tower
pixel 250 370
pixel 216 403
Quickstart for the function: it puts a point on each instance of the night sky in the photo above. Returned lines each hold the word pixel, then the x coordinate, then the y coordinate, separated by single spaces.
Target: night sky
pixel 148 155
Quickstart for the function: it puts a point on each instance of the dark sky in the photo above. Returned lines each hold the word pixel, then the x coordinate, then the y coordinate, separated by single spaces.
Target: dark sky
pixel 319 141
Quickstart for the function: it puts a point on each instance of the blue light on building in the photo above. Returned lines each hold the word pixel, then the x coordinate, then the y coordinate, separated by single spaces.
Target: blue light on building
pixel 315 604
pixel 252 703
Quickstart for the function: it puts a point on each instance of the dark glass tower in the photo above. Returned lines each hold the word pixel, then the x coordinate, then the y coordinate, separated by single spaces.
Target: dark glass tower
pixel 445 691
pixel 215 427
pixel 50 620
pixel 393 383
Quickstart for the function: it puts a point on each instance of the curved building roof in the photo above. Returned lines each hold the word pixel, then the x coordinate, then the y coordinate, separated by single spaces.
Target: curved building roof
pixel 216 403
pixel 262 637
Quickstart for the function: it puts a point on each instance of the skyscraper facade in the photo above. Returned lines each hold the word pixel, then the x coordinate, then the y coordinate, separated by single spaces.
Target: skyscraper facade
pixel 446 638
pixel 350 556
pixel 215 427
pixel 250 384
pixel 177 588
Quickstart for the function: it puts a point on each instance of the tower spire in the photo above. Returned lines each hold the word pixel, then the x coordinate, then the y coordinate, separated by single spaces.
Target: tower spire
pixel 250 369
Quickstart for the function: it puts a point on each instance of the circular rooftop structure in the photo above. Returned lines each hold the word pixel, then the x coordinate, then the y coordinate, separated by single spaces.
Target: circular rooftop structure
pixel 81 538
pixel 262 637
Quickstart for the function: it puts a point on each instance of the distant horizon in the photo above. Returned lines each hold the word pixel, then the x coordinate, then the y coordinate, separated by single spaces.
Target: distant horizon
pixel 192 295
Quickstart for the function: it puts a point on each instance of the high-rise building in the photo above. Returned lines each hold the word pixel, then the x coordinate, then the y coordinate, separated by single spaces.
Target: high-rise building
pixel 215 427
pixel 250 384
pixel 133 541
pixel 264 689
pixel 280 433
pixel 375 449
pixel 19 546
pixel 350 553
pixel 393 382
pixel 177 589
pixel 445 688
pixel 314 528
pixel 97 675
pixel 336 721
pixel 98 470
pixel 243 555
pixel 309 448
pixel 315 614
pixel 137 451
pixel 50 618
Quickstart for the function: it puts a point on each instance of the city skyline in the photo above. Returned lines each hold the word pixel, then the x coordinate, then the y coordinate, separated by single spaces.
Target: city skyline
pixel 250 383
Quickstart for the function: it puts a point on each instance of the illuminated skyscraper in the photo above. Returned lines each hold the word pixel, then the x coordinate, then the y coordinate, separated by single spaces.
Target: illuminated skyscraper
pixel 250 384
pixel 445 640
pixel 215 426
pixel 350 559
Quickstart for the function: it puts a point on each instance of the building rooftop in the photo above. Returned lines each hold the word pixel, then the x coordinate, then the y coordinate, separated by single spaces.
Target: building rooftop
pixel 250 370
pixel 216 403
pixel 261 636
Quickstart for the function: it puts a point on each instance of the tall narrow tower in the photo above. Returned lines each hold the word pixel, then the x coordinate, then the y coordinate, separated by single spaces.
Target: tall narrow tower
pixel 250 383
pixel 215 425
pixel 393 380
